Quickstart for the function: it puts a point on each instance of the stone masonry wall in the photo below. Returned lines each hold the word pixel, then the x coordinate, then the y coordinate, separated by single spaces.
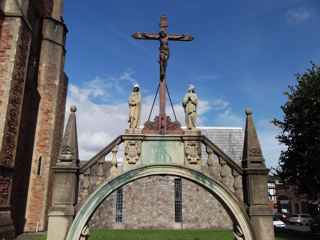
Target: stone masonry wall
pixel 20 41
pixel 201 209
pixel 149 203
pixel 52 89
pixel 15 39
pixel 28 123
pixel 14 53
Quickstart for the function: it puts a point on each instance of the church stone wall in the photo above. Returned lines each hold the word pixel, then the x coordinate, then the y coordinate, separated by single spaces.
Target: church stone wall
pixel 52 83
pixel 28 121
pixel 201 209
pixel 15 39
pixel 150 203
pixel 20 49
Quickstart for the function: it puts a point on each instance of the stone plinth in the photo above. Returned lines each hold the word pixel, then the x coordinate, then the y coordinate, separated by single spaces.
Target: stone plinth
pixel 192 149
pixel 192 132
pixel 133 131
pixel 59 222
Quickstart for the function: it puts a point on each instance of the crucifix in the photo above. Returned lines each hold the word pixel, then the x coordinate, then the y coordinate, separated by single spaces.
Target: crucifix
pixel 163 37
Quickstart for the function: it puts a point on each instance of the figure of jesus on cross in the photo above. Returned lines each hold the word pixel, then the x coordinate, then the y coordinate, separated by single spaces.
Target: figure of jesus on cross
pixel 164 52
pixel 163 37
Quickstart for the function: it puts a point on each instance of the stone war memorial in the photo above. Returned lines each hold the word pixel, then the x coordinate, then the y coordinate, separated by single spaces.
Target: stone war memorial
pixel 155 175
pixel 149 165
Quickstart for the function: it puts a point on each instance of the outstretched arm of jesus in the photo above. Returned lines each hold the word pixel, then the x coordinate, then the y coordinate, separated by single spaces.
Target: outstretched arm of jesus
pixel 145 36
pixel 180 37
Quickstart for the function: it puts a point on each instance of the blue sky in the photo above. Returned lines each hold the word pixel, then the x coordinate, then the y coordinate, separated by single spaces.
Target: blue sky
pixel 245 53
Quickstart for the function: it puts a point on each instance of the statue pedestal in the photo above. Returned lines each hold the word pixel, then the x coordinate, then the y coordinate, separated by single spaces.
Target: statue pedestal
pixel 192 132
pixel 192 149
pixel 170 127
pixel 133 131
pixel 132 148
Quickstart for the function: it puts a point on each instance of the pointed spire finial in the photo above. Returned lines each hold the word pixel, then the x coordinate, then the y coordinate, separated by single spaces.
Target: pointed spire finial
pixel 248 111
pixel 73 109
pixel 252 153
pixel 69 153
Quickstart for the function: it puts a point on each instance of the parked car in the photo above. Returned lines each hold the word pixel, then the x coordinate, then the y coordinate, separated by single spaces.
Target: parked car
pixel 277 222
pixel 315 225
pixel 300 219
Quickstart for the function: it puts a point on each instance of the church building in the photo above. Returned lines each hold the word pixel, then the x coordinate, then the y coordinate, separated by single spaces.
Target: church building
pixel 33 87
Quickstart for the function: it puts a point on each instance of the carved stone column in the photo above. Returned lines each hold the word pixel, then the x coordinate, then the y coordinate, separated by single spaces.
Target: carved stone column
pixel 223 170
pixel 100 171
pixel 65 186
pixel 213 164
pixel 86 182
pixel 114 171
pixel 255 183
pixel 237 185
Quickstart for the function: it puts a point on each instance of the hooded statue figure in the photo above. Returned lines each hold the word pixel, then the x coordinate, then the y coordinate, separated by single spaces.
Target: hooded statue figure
pixel 190 104
pixel 134 107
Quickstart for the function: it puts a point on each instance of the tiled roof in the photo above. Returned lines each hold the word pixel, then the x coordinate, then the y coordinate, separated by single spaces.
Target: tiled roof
pixel 229 140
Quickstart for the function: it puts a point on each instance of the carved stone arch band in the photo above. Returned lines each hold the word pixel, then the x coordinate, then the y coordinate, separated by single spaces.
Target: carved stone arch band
pixel 226 197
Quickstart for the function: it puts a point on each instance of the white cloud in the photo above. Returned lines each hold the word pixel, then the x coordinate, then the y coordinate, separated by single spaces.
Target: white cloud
pixel 203 108
pixel 266 131
pixel 102 115
pixel 298 15
pixel 98 124
pixel 219 104
pixel 127 76
pixel 100 121
pixel 228 118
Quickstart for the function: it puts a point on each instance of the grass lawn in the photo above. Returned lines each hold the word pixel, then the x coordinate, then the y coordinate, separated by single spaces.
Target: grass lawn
pixel 182 235
pixel 178 235
pixel 161 235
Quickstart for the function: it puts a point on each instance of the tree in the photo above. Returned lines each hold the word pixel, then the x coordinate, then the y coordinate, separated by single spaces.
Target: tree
pixel 299 164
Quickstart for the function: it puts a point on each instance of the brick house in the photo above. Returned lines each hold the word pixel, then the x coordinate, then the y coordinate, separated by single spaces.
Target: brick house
pixel 286 199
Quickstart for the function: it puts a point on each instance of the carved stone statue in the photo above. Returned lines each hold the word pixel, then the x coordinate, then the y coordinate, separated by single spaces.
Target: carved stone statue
pixel 85 233
pixel 164 53
pixel 134 107
pixel 237 232
pixel 163 37
pixel 190 104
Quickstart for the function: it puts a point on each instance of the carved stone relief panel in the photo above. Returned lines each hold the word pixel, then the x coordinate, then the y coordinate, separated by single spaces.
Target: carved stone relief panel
pixel 132 151
pixel 192 152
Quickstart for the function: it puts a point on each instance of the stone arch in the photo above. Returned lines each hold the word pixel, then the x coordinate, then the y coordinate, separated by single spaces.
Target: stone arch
pixel 234 207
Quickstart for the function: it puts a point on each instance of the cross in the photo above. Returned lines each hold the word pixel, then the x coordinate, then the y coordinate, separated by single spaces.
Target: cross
pixel 164 52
